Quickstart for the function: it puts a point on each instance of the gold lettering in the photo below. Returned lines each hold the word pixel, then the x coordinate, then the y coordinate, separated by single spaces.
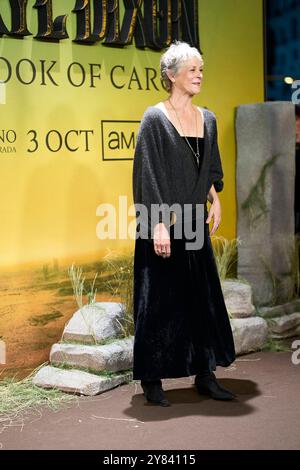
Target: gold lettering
pixel 151 23
pixel 176 19
pixel 18 18
pixel 84 29
pixel 190 32
pixel 49 30
pixel 131 21
pixel 113 26
pixel 158 36
pixel 3 28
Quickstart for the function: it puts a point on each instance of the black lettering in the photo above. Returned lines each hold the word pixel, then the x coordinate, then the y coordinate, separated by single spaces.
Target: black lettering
pixel 131 22
pixel 3 28
pixel 86 133
pixel 8 136
pixel 49 30
pixel 18 72
pixel 149 71
pixel 113 23
pixel 82 10
pixel 134 78
pixel 18 18
pixel 158 35
pixel 60 141
pixel 92 85
pixel 67 140
pixel 70 76
pixel 114 140
pixel 9 70
pixel 112 76
pixel 47 72
pixel 124 141
pixel 151 23
pixel 190 32
pixel 176 19
pixel 13 137
pixel 100 19
pixel 34 140
pixel 139 27
pixel 83 17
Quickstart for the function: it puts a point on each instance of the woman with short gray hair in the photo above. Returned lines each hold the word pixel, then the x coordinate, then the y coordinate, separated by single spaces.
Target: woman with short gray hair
pixel 181 322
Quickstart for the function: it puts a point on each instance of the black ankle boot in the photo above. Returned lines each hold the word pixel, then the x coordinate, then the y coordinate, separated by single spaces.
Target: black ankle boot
pixel 208 385
pixel 200 376
pixel 154 393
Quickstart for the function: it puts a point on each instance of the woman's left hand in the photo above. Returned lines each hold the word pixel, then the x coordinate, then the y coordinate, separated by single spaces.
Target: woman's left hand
pixel 215 213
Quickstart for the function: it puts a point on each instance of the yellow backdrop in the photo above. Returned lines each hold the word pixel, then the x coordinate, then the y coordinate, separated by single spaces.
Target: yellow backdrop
pixel 48 199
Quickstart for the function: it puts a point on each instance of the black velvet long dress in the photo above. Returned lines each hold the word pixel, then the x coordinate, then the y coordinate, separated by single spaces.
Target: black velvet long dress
pixel 181 322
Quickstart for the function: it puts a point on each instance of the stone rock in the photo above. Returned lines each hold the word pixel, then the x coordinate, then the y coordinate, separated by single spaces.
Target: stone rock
pixel 77 381
pixel 285 326
pixel 250 334
pixel 114 356
pixel 265 135
pixel 287 334
pixel 95 323
pixel 279 310
pixel 238 298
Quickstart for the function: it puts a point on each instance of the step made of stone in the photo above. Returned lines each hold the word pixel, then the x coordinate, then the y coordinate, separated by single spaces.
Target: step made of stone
pixel 77 381
pixel 115 356
pixel 94 323
pixel 284 324
pixel 250 334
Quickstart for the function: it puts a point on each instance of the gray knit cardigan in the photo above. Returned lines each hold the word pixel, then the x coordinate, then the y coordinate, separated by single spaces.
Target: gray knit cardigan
pixel 164 168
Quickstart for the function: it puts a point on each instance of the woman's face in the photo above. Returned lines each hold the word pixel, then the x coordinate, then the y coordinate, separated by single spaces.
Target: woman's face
pixel 189 76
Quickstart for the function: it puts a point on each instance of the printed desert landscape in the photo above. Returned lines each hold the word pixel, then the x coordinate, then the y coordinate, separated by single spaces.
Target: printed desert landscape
pixel 35 305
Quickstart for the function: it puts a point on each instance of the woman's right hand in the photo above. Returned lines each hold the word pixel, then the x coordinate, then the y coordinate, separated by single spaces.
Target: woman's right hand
pixel 162 243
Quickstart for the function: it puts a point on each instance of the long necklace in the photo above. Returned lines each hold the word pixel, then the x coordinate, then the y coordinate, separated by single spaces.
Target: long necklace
pixel 197 154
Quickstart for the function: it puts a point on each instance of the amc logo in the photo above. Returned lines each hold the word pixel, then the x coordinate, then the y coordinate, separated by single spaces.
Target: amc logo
pixel 119 139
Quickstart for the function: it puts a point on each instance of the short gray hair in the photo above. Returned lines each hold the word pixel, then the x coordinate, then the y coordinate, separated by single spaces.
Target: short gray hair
pixel 174 57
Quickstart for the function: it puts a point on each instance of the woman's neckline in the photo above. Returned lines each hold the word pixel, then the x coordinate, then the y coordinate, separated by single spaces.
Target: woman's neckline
pixel 191 137
pixel 167 118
